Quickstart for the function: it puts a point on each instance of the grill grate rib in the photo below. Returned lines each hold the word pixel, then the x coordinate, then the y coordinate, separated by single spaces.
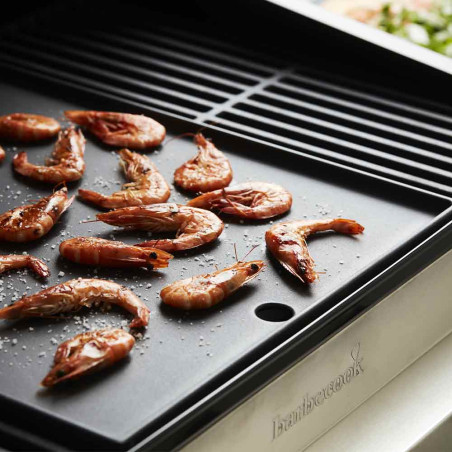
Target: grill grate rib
pixel 252 94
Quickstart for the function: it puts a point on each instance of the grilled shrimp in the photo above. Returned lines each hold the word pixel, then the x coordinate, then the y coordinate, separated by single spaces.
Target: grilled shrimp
pixel 2 154
pixel 204 291
pixel 30 222
pixel 194 227
pixel 287 242
pixel 148 186
pixel 26 127
pixel 75 294
pixel 120 129
pixel 65 165
pixel 208 170
pixel 12 261
pixel 250 200
pixel 87 353
pixel 109 253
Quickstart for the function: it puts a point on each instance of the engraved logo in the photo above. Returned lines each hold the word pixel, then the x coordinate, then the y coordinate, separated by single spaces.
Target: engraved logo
pixel 282 424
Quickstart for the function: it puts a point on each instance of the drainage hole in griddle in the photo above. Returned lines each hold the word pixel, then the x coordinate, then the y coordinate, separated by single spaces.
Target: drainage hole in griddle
pixel 274 312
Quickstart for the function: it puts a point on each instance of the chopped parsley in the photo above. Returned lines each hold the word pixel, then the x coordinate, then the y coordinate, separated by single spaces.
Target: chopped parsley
pixel 431 29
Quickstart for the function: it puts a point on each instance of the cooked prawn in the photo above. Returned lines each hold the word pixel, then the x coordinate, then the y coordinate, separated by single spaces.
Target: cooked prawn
pixel 109 253
pixel 75 294
pixel 148 186
pixel 287 242
pixel 12 261
pixel 2 154
pixel 195 227
pixel 26 127
pixel 65 165
pixel 204 291
pixel 250 200
pixel 30 222
pixel 87 353
pixel 120 129
pixel 207 171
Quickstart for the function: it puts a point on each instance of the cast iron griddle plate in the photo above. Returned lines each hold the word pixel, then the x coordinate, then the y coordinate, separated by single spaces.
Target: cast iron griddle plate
pixel 185 352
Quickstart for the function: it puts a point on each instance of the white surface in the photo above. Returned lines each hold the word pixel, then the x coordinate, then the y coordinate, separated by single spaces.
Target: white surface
pixel 402 413
pixel 391 336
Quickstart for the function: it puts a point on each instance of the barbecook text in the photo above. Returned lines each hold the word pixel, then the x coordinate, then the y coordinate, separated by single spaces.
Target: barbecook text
pixel 282 424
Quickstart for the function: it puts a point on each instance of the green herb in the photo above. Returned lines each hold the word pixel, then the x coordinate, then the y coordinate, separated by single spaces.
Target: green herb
pixel 431 29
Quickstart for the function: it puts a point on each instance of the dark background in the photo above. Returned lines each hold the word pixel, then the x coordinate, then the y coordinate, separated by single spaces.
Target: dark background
pixel 251 23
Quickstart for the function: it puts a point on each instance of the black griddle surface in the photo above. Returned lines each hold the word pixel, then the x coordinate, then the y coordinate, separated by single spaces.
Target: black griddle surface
pixel 183 353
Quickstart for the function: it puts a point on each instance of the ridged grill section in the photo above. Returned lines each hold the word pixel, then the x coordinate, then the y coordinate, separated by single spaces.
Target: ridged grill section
pixel 262 97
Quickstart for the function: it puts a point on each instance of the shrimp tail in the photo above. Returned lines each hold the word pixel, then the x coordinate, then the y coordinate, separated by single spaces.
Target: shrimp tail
pixel 15 312
pixel 91 196
pixel 39 267
pixel 20 160
pixel 12 312
pixel 347 226
pixel 141 319
pixel 78 116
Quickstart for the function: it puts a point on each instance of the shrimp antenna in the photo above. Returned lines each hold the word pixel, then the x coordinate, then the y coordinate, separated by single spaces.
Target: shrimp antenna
pixel 249 252
pixel 205 127
pixel 90 221
pixel 191 134
pixel 156 244
pixel 235 251
pixel 177 137
pixel 211 123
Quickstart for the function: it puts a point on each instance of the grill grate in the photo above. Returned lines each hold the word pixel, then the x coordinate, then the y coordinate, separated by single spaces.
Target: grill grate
pixel 214 82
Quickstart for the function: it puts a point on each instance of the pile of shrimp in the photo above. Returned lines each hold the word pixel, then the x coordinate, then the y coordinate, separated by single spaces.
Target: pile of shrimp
pixel 141 204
